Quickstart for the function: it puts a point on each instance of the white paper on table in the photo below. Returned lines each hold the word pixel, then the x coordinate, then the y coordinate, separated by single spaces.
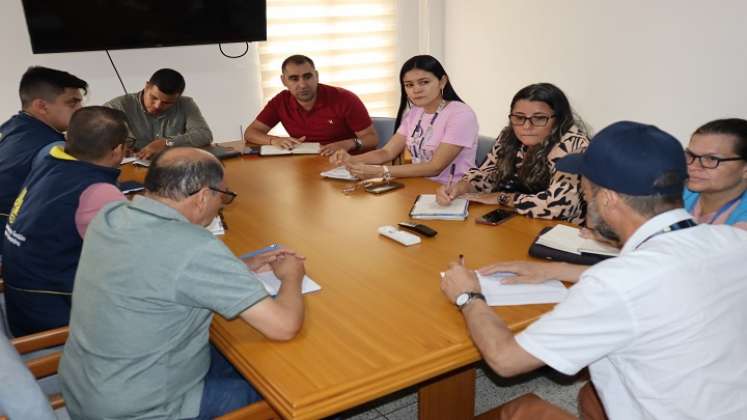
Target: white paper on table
pixel 127 160
pixel 499 294
pixel 339 172
pixel 272 283
pixel 216 227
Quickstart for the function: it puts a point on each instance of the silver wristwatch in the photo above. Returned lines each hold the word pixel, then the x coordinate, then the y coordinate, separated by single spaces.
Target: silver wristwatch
pixel 358 144
pixel 463 299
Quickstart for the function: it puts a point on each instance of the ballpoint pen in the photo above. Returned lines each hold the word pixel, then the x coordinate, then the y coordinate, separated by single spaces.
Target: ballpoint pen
pixel 259 251
pixel 451 176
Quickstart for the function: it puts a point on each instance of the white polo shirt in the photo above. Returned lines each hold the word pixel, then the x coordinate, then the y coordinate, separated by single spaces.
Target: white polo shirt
pixel 662 327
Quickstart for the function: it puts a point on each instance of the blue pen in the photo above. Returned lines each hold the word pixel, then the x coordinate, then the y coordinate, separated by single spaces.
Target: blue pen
pixel 259 251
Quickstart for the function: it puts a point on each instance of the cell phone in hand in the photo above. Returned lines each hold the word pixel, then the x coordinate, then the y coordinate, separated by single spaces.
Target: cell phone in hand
pixel 495 217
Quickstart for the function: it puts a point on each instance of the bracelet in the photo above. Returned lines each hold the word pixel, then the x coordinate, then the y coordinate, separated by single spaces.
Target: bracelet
pixel 387 174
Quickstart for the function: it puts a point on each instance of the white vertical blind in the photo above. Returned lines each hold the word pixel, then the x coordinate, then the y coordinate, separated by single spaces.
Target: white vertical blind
pixel 352 43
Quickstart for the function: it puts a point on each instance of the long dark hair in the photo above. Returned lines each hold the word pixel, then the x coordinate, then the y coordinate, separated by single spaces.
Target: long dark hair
pixel 534 174
pixel 431 65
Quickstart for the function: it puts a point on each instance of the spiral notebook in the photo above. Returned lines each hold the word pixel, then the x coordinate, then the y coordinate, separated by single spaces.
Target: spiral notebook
pixel 426 208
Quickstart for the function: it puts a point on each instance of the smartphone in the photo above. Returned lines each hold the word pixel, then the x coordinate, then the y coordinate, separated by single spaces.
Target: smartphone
pixel 495 217
pixel 382 188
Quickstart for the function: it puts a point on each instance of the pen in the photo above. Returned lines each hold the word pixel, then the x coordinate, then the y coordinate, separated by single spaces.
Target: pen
pixel 451 175
pixel 259 251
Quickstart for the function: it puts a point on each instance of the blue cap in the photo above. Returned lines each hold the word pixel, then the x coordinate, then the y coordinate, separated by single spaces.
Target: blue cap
pixel 628 157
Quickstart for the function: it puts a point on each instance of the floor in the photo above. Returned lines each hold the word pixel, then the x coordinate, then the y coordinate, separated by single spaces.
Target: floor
pixel 491 391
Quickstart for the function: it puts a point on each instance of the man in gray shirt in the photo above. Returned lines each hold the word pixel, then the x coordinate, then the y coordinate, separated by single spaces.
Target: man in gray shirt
pixel 159 116
pixel 149 279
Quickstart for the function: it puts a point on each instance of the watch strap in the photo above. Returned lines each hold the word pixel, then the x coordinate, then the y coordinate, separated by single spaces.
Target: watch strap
pixel 471 297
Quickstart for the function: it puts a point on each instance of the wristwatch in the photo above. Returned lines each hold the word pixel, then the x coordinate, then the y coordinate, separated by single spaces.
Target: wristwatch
pixel 169 142
pixel 358 144
pixel 463 299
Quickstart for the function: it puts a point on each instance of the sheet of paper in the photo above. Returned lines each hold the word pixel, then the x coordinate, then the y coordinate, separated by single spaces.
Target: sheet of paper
pixel 127 160
pixel 216 227
pixel 499 294
pixel 272 283
pixel 426 207
pixel 339 172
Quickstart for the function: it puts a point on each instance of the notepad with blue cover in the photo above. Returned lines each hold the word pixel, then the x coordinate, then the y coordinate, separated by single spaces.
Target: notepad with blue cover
pixel 426 208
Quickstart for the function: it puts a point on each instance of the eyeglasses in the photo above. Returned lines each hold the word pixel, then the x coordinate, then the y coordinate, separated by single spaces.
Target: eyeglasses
pixel 535 120
pixel 707 161
pixel 227 197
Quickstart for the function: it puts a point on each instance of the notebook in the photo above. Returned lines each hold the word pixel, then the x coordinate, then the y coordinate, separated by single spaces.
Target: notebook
pixel 127 160
pixel 499 294
pixel 426 208
pixel 301 149
pixel 272 283
pixel 340 172
pixel 568 239
pixel 141 162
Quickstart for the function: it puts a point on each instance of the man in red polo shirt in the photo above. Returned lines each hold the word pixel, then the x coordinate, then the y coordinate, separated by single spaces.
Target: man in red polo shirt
pixel 313 112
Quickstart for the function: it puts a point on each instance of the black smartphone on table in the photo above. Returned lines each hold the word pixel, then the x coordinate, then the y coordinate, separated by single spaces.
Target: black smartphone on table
pixel 495 217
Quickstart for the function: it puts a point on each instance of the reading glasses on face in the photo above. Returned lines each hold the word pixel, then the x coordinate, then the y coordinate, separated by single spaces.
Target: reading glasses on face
pixel 707 161
pixel 535 120
pixel 226 197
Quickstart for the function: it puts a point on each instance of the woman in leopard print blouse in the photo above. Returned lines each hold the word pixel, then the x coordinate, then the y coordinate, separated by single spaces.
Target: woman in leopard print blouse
pixel 519 171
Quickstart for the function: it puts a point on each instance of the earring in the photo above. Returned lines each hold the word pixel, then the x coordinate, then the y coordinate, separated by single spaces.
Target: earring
pixel 442 92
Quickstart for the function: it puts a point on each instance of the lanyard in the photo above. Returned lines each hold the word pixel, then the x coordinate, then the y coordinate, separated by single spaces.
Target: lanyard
pixel 418 151
pixel 684 224
pixel 725 207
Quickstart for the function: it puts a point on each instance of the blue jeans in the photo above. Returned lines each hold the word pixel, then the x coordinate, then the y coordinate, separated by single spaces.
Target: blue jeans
pixel 225 389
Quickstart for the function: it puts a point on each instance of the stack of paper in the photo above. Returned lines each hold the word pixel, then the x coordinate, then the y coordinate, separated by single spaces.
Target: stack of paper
pixel 216 227
pixel 272 283
pixel 301 149
pixel 340 172
pixel 568 239
pixel 499 294
pixel 426 208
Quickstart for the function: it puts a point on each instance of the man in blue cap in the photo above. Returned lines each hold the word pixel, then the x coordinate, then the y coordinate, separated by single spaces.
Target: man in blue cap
pixel 661 326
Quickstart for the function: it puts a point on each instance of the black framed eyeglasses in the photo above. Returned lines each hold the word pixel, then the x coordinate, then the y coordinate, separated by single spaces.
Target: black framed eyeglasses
pixel 227 196
pixel 707 161
pixel 535 120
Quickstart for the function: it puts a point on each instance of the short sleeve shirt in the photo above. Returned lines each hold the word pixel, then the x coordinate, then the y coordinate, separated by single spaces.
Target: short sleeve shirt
pixel 147 283
pixel 455 124
pixel 336 115
pixel 661 327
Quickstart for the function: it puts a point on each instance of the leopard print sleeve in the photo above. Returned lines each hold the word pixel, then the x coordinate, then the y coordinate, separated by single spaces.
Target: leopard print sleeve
pixel 563 199
pixel 483 179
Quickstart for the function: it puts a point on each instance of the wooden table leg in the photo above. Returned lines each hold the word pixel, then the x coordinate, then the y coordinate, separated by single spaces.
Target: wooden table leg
pixel 448 397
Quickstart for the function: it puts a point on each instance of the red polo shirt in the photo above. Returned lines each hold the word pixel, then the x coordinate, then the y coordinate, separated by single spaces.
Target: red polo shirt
pixel 337 114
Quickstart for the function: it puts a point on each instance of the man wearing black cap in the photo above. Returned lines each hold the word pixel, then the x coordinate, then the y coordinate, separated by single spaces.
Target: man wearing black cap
pixel 661 327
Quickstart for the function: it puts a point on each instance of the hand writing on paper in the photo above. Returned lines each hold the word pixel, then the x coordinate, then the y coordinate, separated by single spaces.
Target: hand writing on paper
pixel 457 280
pixel 288 267
pixel 263 262
pixel 152 149
pixel 445 194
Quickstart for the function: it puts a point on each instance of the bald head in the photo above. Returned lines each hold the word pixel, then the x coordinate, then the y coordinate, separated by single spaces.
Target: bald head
pixel 182 171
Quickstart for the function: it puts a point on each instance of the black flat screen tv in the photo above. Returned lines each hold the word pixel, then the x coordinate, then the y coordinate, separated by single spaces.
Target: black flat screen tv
pixel 92 25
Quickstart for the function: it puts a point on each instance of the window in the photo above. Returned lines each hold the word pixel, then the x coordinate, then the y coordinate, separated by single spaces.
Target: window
pixel 352 43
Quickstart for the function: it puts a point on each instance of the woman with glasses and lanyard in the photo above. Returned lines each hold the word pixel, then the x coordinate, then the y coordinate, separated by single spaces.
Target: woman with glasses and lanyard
pixel 717 169
pixel 439 130
pixel 519 172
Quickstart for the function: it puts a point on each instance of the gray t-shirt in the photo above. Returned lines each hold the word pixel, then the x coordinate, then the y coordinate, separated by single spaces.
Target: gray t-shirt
pixel 147 283
pixel 182 123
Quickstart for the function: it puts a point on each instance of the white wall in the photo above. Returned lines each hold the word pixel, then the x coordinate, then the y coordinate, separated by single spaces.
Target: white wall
pixel 227 90
pixel 676 64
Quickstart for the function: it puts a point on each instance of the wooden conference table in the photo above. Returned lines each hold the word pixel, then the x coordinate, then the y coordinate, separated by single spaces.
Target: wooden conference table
pixel 380 323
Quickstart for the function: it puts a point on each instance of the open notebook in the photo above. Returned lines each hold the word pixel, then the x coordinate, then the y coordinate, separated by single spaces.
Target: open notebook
pixel 568 239
pixel 339 172
pixel 301 149
pixel 426 208
pixel 499 294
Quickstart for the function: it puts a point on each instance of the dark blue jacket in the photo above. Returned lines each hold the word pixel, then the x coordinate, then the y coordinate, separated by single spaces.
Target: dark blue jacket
pixel 41 244
pixel 21 138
